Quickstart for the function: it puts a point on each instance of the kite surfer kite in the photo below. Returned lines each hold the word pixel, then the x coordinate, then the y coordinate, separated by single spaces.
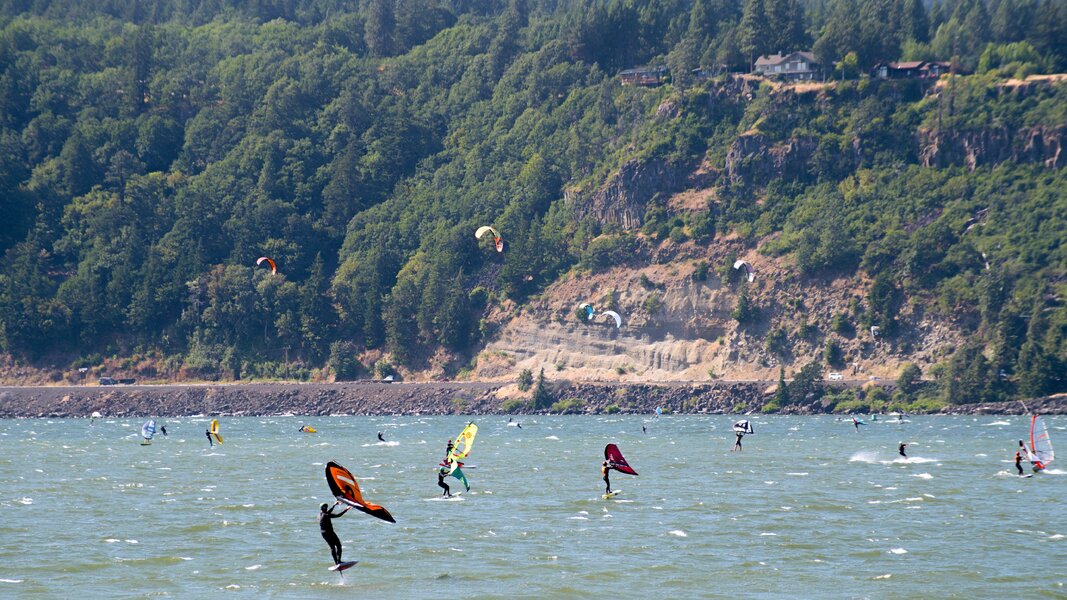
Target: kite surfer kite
pixel 326 515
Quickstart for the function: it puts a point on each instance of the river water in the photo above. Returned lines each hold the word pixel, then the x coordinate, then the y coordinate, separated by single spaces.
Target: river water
pixel 810 508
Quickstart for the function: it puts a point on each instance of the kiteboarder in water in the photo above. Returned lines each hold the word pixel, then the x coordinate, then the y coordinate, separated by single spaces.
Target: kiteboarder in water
pixel 380 438
pixel 163 430
pixel 856 423
pixel 901 449
pixel 441 473
pixel 326 514
pixel 210 442
pixel 604 468
pixel 1019 462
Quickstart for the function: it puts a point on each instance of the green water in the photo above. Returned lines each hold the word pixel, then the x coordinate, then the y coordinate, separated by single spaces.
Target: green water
pixel 811 508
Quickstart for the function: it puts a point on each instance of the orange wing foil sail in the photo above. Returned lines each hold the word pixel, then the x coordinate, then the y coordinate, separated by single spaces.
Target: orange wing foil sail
pixel 344 487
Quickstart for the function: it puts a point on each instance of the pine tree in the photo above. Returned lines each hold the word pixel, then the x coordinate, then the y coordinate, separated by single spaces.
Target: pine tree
pixel 542 398
pixel 754 32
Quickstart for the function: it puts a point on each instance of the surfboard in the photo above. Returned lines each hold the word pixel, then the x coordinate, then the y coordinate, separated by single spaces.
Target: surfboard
pixel 1027 475
pixel 146 443
pixel 343 566
pixel 611 495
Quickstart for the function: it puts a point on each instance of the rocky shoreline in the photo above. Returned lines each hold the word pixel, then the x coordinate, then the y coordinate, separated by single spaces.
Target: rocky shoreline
pixel 366 398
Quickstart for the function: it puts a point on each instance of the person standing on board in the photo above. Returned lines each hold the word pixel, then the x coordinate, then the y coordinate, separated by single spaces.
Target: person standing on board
pixel 380 438
pixel 1019 462
pixel 211 443
pixel 448 450
pixel 163 430
pixel 441 473
pixel 326 515
pixel 604 468
pixel 856 423
pixel 737 443
pixel 901 449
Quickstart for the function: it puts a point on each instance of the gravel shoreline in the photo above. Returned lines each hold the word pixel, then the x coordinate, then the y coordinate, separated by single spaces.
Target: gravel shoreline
pixel 359 398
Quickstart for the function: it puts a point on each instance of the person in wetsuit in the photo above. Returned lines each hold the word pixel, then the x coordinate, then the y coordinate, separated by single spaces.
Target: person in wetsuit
pixel 441 474
pixel 326 515
pixel 210 441
pixel 380 438
pixel 163 430
pixel 901 449
pixel 448 450
pixel 1019 462
pixel 737 442
pixel 604 468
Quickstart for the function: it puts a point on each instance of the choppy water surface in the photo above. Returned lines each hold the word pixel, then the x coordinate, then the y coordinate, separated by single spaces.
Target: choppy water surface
pixel 811 508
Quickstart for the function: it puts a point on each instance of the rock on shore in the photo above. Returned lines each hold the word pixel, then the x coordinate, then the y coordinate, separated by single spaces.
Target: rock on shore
pixel 257 399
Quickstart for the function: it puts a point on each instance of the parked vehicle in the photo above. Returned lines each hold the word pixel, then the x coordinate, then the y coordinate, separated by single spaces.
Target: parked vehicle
pixel 835 376
pixel 108 381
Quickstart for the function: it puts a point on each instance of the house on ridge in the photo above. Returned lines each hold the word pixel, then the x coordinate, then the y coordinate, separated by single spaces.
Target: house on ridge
pixel 915 69
pixel 795 66
pixel 645 76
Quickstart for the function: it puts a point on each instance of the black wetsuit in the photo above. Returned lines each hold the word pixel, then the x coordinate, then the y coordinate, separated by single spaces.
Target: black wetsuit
pixel 326 529
pixel 163 430
pixel 210 442
pixel 380 438
pixel 607 482
pixel 902 446
pixel 737 444
pixel 441 482
pixel 1019 463
pixel 448 450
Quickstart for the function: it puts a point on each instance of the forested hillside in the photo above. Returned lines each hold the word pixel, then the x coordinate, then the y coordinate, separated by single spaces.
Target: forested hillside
pixel 151 153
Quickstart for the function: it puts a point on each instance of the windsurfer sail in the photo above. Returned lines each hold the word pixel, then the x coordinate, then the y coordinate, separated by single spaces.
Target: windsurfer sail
pixel 148 430
pixel 1040 450
pixel 460 451
pixel 344 487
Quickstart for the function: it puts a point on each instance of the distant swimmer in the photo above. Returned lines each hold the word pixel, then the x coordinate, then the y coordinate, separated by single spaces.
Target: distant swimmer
pixel 163 430
pixel 604 468
pixel 326 515
pixel 1019 462
pixel 901 449
pixel 441 473
pixel 380 438
pixel 210 441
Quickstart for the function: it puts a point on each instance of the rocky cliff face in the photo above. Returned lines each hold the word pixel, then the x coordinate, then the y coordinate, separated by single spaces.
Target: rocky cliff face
pixel 992 146
pixel 623 198
pixel 754 159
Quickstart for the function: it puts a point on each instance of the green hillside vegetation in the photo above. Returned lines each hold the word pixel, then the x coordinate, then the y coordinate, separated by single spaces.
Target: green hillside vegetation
pixel 151 155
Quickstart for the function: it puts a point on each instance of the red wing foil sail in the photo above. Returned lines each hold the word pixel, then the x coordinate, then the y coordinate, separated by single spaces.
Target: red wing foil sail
pixel 344 487
pixel 616 459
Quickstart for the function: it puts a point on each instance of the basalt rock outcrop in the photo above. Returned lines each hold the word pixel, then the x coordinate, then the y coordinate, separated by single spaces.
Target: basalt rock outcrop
pixel 992 146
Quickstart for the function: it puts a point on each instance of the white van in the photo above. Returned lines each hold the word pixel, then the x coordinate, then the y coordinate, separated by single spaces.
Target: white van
pixel 835 376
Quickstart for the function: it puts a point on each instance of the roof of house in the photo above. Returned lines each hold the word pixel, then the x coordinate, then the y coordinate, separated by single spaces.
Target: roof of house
pixel 777 59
